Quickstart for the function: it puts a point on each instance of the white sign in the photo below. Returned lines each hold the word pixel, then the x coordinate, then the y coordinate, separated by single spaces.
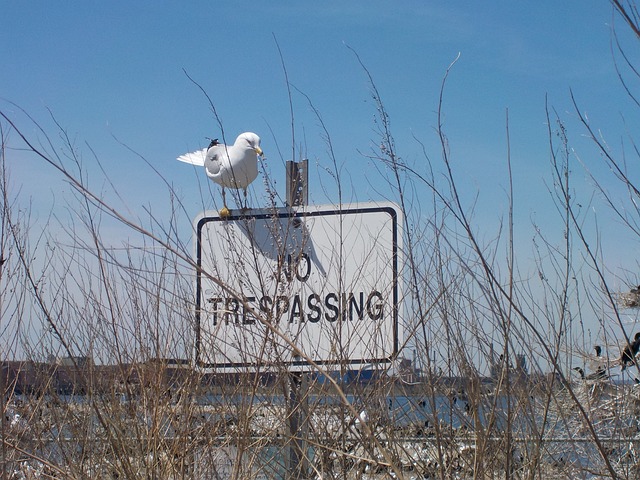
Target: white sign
pixel 322 278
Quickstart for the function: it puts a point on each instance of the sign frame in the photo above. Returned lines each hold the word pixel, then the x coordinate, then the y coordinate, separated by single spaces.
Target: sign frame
pixel 293 214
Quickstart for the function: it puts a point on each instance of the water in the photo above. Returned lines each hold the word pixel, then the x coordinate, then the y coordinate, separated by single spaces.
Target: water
pixel 413 418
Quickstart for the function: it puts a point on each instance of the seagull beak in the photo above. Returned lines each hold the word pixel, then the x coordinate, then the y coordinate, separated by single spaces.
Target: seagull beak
pixel 258 151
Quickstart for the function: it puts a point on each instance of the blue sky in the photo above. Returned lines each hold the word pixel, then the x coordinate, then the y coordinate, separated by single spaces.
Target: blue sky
pixel 113 73
pixel 117 69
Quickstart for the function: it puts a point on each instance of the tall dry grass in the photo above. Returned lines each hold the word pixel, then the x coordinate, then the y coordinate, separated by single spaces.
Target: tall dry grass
pixel 465 407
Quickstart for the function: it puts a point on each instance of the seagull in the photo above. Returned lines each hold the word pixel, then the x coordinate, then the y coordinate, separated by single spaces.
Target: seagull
pixel 628 355
pixel 599 374
pixel 363 417
pixel 230 166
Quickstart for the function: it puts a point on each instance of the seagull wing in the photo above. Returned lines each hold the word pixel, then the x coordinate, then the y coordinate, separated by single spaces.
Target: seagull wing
pixel 212 161
pixel 194 158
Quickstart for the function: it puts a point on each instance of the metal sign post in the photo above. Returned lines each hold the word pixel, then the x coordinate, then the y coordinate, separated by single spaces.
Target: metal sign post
pixel 298 412
pixel 297 195
pixel 297 183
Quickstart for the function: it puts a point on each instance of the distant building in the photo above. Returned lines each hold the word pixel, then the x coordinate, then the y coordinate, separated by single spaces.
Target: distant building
pixel 497 367
pixel 78 361
pixel 521 363
pixel 407 371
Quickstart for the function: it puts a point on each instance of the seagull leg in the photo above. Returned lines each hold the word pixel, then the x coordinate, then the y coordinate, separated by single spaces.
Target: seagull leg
pixel 224 212
pixel 246 204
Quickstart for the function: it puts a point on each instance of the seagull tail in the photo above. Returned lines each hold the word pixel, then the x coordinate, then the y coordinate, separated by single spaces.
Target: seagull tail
pixel 194 158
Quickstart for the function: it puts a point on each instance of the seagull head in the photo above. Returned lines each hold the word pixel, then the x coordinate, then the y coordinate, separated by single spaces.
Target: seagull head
pixel 249 140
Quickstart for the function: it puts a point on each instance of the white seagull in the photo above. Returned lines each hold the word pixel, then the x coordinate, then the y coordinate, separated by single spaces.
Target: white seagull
pixel 230 166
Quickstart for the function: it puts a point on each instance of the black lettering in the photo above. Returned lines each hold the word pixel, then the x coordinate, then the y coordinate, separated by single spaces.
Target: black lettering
pixel 231 307
pixel 307 263
pixel 265 304
pixel 296 310
pixel 266 307
pixel 353 305
pixel 333 307
pixel 291 267
pixel 282 306
pixel 375 310
pixel 247 317
pixel 215 301
pixel 286 267
pixel 337 307
pixel 313 302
